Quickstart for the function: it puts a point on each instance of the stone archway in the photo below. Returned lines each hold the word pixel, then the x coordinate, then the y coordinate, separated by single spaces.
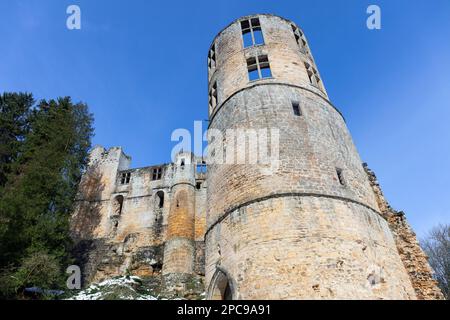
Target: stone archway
pixel 221 287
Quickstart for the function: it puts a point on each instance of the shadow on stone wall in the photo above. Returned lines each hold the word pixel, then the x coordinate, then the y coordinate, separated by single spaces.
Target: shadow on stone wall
pixel 87 215
pixel 88 251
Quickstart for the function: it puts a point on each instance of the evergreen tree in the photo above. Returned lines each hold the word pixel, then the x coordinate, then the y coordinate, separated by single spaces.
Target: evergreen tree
pixel 14 111
pixel 38 197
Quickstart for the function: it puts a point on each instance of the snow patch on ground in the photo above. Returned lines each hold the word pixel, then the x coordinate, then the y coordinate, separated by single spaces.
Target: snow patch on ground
pixel 123 288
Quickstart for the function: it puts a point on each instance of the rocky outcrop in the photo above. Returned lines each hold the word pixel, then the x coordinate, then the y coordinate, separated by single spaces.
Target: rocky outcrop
pixel 413 257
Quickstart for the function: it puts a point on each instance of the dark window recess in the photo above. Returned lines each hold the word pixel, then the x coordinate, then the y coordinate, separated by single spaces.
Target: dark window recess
pixel 296 108
pixel 212 58
pixel 118 205
pixel 313 75
pixel 198 185
pixel 157 174
pixel 340 175
pixel 160 196
pixel 300 39
pixel 258 68
pixel 125 179
pixel 251 32
pixel 213 96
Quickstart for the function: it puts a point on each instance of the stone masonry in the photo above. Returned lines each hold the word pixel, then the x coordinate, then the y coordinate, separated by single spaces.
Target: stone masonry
pixel 317 227
pixel 147 221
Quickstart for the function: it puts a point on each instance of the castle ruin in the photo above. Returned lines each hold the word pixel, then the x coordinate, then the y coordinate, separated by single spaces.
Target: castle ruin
pixel 318 227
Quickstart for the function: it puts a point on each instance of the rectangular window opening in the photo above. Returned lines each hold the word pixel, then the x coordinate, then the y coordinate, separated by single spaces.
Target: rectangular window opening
pixel 257 34
pixel 248 40
pixel 125 178
pixel 313 75
pixel 258 68
pixel 201 167
pixel 157 174
pixel 296 108
pixel 212 58
pixel 300 39
pixel 213 97
pixel 340 176
pixel 251 32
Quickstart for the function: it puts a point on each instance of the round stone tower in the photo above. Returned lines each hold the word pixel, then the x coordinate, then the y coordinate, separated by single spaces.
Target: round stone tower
pixel 309 228
pixel 179 249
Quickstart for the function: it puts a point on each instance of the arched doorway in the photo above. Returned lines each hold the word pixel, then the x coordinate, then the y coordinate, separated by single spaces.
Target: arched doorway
pixel 221 287
pixel 117 208
pixel 118 205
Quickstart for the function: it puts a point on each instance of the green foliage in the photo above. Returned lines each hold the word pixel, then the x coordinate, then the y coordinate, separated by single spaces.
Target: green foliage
pixel 40 188
pixel 14 112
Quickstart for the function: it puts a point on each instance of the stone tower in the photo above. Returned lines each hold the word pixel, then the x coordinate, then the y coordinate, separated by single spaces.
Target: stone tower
pixel 179 250
pixel 312 229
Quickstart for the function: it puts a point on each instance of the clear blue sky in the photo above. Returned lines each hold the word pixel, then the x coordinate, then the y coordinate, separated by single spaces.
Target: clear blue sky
pixel 141 67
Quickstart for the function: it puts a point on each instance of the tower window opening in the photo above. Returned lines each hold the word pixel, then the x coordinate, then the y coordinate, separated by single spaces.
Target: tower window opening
pixel 258 68
pixel 126 177
pixel 212 58
pixel 157 174
pixel 313 75
pixel 183 162
pixel 213 96
pixel 300 39
pixel 201 167
pixel 251 32
pixel 340 175
pixel 296 108
pixel 198 185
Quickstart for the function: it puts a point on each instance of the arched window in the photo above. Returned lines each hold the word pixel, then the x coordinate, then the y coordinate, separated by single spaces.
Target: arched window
pixel 221 287
pixel 160 199
pixel 118 205
pixel 181 199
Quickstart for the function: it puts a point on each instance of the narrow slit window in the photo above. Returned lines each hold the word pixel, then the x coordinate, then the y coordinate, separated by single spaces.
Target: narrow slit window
pixel 300 39
pixel 198 185
pixel 296 108
pixel 213 96
pixel 340 175
pixel 258 68
pixel 252 32
pixel 212 58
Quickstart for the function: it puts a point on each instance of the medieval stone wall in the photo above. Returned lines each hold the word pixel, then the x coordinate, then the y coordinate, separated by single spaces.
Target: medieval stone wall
pixel 133 226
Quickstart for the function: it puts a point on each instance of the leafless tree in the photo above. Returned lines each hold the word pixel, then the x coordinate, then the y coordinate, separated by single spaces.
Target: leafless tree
pixel 437 247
